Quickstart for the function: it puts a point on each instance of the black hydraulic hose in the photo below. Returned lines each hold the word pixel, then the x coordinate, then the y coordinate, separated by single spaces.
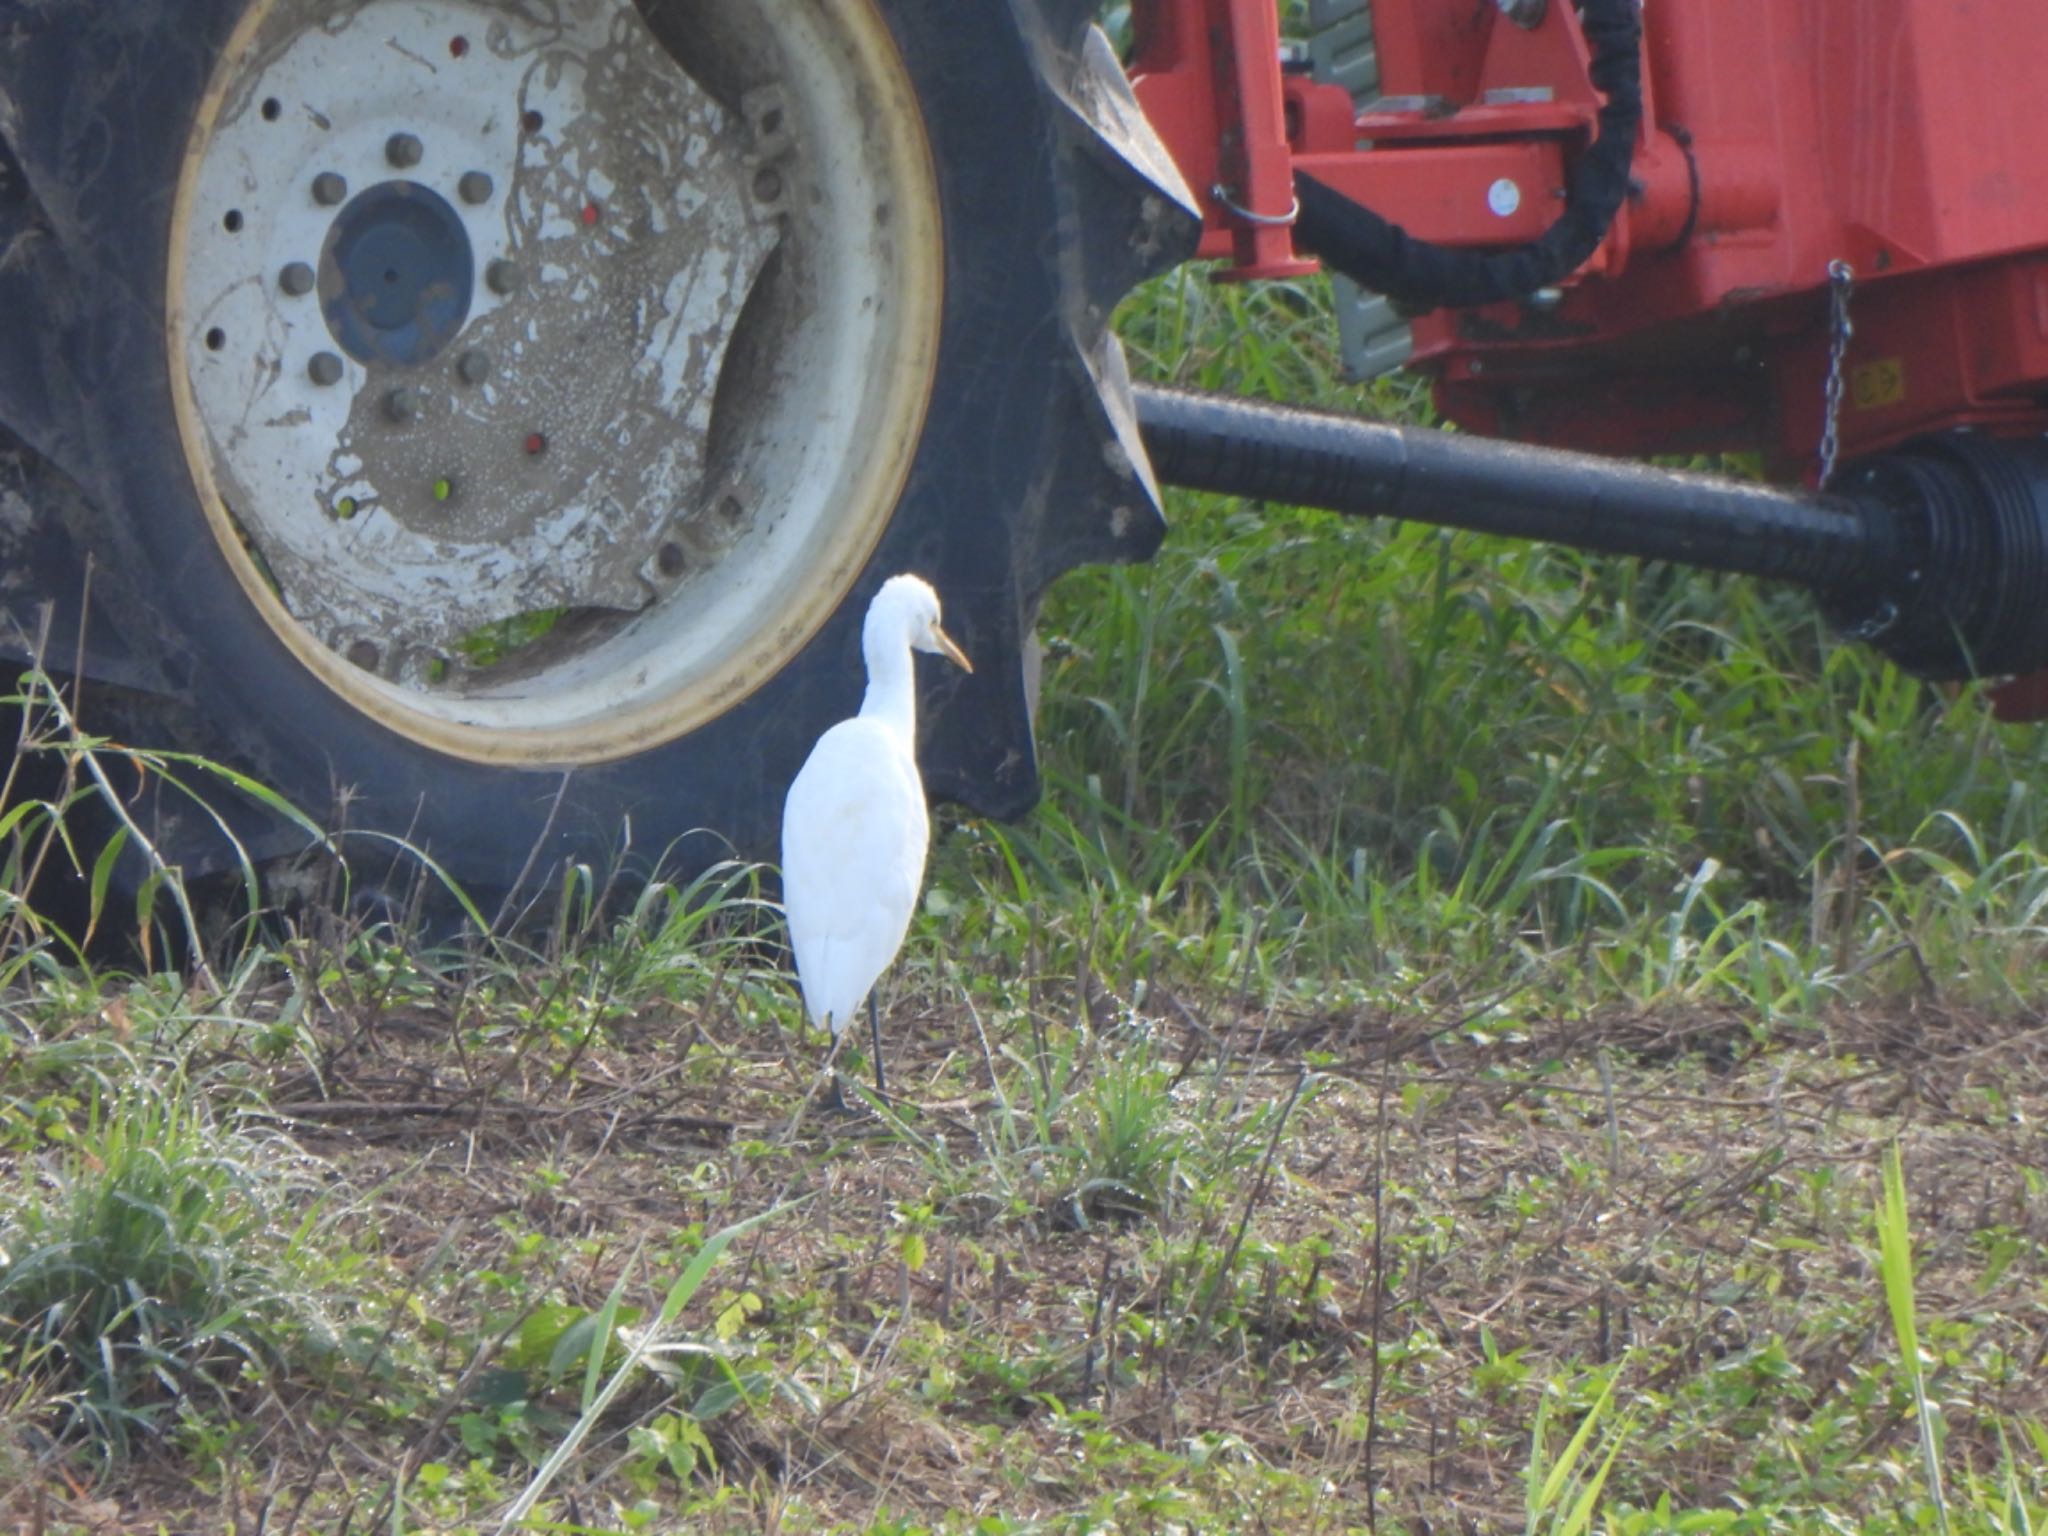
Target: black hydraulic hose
pixel 1347 464
pixel 1384 257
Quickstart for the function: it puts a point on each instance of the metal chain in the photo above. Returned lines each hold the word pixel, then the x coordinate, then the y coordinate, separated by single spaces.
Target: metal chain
pixel 1841 284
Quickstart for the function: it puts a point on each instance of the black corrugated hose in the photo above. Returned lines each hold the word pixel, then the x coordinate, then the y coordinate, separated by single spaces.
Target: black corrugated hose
pixel 1385 258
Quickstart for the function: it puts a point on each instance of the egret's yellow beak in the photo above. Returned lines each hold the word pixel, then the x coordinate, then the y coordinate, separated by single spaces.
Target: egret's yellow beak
pixel 949 650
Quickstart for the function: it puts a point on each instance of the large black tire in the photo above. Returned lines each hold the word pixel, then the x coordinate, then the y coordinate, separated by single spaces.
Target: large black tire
pixel 1053 200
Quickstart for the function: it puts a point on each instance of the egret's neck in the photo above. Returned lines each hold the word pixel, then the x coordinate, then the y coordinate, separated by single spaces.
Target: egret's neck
pixel 892 688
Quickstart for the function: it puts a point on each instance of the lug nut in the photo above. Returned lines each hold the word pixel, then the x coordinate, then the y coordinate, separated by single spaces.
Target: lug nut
pixel 296 279
pixel 329 188
pixel 669 560
pixel 401 405
pixel 768 184
pixel 474 187
pixel 364 655
pixel 475 367
pixel 501 277
pixel 325 368
pixel 403 150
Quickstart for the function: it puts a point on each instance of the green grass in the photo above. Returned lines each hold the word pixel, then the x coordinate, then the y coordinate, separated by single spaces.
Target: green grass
pixel 1430 1063
pixel 154 1263
pixel 1394 751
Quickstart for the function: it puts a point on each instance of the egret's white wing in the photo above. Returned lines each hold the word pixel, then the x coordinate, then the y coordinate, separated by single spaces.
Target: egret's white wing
pixel 854 835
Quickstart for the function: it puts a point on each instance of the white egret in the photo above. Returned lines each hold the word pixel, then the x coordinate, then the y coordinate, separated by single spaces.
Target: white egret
pixel 855 828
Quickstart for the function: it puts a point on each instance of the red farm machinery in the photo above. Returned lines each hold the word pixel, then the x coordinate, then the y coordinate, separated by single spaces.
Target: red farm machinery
pixel 499 414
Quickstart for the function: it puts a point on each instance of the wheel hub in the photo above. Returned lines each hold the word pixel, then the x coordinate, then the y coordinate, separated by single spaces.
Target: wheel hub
pixel 604 321
pixel 418 457
pixel 396 275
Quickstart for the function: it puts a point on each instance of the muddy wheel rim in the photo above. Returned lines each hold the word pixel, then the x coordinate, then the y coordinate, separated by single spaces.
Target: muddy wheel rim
pixel 548 386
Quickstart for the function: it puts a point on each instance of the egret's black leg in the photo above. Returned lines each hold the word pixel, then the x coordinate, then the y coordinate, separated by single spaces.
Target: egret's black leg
pixel 835 1102
pixel 875 1029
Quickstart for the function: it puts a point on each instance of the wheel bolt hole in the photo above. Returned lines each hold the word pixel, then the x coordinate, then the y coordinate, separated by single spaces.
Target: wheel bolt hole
pixel 232 221
pixel 771 122
pixel 669 559
pixel 730 509
pixel 216 339
pixel 768 184
pixel 364 655
pixel 531 121
pixel 272 109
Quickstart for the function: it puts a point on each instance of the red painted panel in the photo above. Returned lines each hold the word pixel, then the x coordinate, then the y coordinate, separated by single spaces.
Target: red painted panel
pixel 1902 136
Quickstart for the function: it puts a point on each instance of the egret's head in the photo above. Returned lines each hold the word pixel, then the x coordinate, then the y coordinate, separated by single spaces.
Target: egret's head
pixel 907 609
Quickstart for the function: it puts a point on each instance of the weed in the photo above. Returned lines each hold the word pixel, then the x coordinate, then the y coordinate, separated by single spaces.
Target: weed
pixel 158 1258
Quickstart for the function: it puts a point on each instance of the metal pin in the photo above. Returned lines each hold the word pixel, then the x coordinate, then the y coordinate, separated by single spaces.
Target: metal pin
pixel 474 187
pixel 325 368
pixel 296 279
pixel 501 277
pixel 403 150
pixel 401 404
pixel 329 188
pixel 475 367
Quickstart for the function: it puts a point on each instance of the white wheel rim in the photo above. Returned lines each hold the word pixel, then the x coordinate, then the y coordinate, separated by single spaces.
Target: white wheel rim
pixel 392 477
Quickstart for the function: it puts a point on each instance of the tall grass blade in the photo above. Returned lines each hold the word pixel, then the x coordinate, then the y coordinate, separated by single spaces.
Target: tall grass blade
pixel 645 1343
pixel 1895 1263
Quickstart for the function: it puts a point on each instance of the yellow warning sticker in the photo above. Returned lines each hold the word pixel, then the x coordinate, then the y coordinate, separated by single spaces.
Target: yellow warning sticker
pixel 1878 384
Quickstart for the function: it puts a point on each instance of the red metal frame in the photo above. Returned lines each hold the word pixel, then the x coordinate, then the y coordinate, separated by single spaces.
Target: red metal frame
pixel 1780 135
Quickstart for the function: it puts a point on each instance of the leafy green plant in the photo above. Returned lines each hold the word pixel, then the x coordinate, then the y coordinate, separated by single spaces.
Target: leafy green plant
pixel 1561 1489
pixel 157 1256
pixel 1128 1139
pixel 644 1347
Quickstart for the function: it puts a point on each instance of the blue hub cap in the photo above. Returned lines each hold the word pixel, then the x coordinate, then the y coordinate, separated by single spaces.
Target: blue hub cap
pixel 396 275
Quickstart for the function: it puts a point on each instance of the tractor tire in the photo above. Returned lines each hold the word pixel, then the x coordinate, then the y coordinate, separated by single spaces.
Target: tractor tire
pixel 496 417
pixel 1372 335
